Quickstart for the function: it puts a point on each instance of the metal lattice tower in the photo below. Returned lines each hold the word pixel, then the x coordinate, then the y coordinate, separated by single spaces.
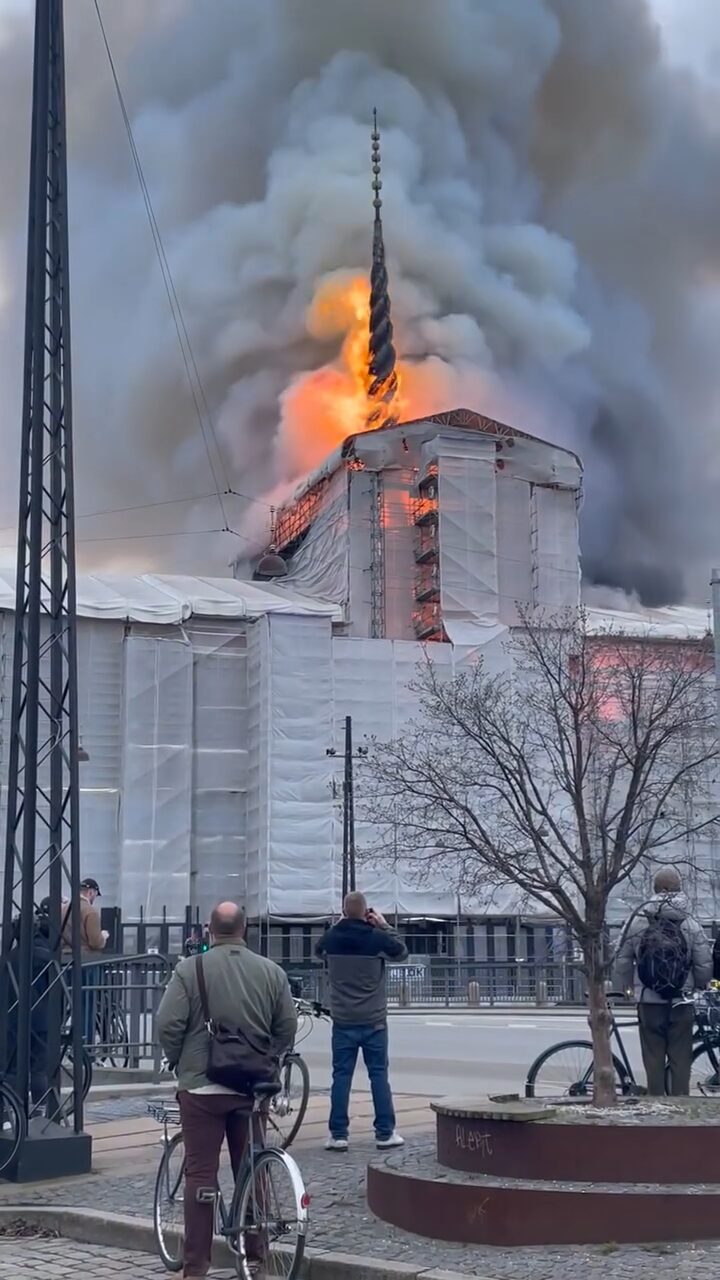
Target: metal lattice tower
pixel 383 388
pixel 42 850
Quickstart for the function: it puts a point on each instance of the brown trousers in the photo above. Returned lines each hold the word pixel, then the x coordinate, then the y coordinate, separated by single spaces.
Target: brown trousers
pixel 666 1040
pixel 207 1119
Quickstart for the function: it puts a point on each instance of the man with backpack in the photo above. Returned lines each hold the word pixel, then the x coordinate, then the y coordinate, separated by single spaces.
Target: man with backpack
pixel 667 954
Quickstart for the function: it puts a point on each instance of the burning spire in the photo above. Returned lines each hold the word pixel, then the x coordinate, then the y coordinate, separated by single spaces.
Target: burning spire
pixel 383 384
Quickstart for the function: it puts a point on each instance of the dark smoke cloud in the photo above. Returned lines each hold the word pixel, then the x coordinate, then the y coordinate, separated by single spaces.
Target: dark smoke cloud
pixel 552 188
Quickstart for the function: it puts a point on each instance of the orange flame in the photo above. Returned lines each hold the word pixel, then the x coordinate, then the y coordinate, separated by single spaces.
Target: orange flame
pixel 323 408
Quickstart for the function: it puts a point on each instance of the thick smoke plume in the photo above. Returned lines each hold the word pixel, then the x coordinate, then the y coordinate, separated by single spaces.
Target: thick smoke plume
pixel 552 187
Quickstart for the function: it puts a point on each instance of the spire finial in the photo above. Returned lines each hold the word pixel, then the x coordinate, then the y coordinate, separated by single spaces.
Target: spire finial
pixel 383 388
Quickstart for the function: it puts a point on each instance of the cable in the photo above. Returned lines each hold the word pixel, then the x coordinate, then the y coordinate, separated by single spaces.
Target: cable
pixel 191 369
pixel 177 533
pixel 143 506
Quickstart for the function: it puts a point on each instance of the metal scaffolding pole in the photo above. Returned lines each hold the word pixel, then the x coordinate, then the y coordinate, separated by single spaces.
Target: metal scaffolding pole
pixel 40 988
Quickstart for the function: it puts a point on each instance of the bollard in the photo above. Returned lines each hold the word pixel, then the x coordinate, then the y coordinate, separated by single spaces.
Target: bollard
pixel 403 999
pixel 541 994
pixel 473 994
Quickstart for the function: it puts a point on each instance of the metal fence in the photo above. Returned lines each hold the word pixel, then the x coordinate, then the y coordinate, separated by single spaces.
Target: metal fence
pixel 468 984
pixel 121 997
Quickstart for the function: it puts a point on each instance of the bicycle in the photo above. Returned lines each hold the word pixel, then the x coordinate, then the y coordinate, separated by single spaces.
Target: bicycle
pixel 254 1215
pixel 13 1126
pixel 286 1111
pixel 566 1068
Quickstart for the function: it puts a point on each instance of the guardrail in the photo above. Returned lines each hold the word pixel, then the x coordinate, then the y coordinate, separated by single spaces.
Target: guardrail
pixel 121 996
pixel 467 983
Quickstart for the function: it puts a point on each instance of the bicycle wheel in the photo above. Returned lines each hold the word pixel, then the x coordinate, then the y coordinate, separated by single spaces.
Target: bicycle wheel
pixel 66 1109
pixel 704 1072
pixel 112 1040
pixel 168 1223
pixel 14 1127
pixel 566 1070
pixel 270 1213
pixel 286 1111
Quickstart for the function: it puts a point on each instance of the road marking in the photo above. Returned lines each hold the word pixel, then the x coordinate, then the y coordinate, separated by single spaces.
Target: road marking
pixel 522 1026
pixel 440 1024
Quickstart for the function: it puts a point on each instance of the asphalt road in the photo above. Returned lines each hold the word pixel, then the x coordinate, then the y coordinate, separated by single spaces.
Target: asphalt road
pixel 445 1052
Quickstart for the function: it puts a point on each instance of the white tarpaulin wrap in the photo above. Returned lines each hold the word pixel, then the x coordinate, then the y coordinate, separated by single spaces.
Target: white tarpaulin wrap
pixel 320 566
pixel 555 547
pixel 371 684
pixel 399 560
pixel 290 810
pixel 220 735
pixel 175 598
pixel 100 691
pixel 157 777
pixel 469 593
pixel 514 546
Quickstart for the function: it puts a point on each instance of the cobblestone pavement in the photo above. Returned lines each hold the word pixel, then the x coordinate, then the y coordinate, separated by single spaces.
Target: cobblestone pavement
pixel 340 1221
pixel 48 1259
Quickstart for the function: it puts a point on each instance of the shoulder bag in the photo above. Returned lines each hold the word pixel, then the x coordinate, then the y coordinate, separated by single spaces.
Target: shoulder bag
pixel 235 1061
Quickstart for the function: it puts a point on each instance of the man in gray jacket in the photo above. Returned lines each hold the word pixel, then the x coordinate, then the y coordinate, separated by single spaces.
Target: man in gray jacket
pixel 244 990
pixel 356 950
pixel 665 952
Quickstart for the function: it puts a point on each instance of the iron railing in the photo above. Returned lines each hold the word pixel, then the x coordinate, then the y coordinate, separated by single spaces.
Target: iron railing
pixel 468 984
pixel 121 997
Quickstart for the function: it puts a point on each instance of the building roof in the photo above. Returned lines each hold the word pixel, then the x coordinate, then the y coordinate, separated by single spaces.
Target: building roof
pixel 465 419
pixel 455 419
pixel 174 598
pixel 676 622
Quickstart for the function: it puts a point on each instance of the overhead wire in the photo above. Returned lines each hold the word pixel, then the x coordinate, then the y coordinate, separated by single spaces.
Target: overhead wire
pixel 192 372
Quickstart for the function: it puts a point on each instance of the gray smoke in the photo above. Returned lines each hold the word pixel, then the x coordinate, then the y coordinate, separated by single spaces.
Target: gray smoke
pixel 552 187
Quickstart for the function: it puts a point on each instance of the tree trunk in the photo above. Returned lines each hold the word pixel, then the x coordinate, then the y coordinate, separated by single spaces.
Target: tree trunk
pixel 600 1022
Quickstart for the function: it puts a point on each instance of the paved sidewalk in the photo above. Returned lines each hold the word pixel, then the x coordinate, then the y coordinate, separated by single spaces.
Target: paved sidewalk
pixel 50 1259
pixel 127 1152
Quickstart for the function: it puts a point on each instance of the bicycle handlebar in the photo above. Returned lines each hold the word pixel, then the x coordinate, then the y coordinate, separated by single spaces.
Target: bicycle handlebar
pixel 311 1007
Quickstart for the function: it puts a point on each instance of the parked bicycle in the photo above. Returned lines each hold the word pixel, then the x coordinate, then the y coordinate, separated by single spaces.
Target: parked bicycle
pixel 13 1120
pixel 286 1110
pixel 13 1124
pixel 566 1068
pixel 268 1208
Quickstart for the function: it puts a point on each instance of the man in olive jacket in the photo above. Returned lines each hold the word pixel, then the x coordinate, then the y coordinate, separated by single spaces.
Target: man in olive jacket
pixel 244 990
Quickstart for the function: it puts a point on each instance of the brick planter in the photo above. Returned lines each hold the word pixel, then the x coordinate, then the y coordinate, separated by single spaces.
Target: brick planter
pixel 524 1174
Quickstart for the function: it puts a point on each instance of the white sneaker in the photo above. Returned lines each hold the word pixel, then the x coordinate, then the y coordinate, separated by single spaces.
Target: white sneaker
pixel 385 1144
pixel 336 1144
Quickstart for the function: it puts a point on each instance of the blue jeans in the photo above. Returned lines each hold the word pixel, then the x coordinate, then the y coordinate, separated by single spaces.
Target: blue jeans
pixel 346 1044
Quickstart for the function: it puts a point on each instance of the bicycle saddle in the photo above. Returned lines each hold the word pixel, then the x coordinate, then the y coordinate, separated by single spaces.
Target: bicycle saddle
pixel 266 1089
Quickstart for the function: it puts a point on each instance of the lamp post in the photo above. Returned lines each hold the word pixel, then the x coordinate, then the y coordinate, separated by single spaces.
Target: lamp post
pixel 348 855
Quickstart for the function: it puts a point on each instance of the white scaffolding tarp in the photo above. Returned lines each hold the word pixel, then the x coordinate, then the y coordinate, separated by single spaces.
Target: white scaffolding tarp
pixel 157 777
pixel 175 598
pixel 219 774
pixel 290 809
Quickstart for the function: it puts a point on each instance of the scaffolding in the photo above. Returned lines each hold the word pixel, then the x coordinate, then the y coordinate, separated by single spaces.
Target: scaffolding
pixel 377 558
pixel 291 523
pixel 427 618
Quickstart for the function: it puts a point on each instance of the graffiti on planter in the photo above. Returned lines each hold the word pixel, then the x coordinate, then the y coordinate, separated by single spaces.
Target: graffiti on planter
pixel 468 1139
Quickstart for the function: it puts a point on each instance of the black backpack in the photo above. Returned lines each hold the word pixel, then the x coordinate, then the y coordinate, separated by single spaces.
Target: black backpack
pixel 663 960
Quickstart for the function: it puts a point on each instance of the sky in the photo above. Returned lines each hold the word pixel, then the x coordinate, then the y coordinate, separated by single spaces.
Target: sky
pixel 558 156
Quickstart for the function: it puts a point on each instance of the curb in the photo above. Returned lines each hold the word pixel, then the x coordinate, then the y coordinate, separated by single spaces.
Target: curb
pixel 111 1092
pixel 120 1231
pixel 485 1010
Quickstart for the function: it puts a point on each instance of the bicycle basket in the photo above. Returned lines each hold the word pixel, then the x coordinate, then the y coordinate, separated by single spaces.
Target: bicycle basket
pixel 165 1112
pixel 707 1010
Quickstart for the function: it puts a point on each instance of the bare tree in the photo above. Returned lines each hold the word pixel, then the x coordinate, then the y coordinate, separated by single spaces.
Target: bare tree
pixel 589 756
